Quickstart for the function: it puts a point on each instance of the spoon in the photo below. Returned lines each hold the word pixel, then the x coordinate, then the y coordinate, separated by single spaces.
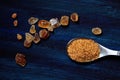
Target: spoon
pixel 104 51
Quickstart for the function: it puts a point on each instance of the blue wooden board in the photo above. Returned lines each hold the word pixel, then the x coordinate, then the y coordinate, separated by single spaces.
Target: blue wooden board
pixel 48 60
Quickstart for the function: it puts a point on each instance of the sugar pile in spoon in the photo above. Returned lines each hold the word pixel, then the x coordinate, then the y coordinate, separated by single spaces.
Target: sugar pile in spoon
pixel 83 50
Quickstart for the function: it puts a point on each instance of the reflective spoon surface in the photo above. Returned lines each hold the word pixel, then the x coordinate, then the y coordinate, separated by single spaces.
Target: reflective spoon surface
pixel 105 51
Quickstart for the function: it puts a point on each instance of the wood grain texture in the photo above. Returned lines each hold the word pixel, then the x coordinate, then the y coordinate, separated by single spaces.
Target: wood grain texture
pixel 48 60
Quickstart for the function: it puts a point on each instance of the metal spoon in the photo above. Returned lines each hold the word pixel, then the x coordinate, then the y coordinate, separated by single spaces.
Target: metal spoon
pixel 103 50
pixel 106 52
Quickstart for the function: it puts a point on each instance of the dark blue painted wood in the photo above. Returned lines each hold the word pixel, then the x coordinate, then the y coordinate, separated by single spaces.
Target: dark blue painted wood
pixel 49 60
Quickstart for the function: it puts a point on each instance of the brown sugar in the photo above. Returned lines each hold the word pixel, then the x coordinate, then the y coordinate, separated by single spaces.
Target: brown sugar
pixel 51 28
pixel 54 23
pixel 29 37
pixel 15 23
pixel 27 44
pixel 36 38
pixel 20 59
pixel 64 21
pixel 19 36
pixel 83 50
pixel 32 20
pixel 44 34
pixel 74 17
pixel 32 29
pixel 14 15
pixel 44 24
pixel 96 31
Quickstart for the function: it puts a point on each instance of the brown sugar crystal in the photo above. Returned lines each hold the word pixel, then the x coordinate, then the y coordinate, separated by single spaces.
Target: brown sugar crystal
pixel 15 23
pixel 51 28
pixel 54 23
pixel 29 37
pixel 27 44
pixel 14 15
pixel 44 24
pixel 74 17
pixel 83 50
pixel 32 29
pixel 19 36
pixel 96 31
pixel 44 34
pixel 20 59
pixel 32 20
pixel 36 38
pixel 64 21
pixel 28 40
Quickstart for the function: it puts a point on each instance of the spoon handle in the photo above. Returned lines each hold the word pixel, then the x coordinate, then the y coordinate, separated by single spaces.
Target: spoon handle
pixel 118 53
